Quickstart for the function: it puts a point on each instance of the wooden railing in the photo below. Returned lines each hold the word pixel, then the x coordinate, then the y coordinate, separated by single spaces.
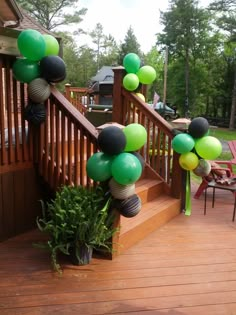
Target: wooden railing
pixel 158 154
pixel 78 97
pixel 16 145
pixel 66 141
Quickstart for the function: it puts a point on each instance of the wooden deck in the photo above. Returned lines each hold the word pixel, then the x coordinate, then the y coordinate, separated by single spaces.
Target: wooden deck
pixel 186 267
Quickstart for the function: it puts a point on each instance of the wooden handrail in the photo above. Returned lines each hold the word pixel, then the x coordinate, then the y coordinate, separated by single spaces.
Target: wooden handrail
pixel 66 141
pixel 129 108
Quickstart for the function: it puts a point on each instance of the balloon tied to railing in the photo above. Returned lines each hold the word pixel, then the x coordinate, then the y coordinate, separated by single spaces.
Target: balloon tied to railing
pixel 136 73
pixel 196 148
pixel 39 67
pixel 120 165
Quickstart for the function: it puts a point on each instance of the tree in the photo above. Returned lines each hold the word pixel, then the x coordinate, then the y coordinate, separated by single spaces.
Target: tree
pixel 185 31
pixel 130 45
pixel 155 59
pixel 52 13
pixel 98 39
pixel 227 22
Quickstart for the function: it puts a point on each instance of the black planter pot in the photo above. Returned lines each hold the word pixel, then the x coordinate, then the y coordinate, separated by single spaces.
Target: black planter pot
pixel 81 255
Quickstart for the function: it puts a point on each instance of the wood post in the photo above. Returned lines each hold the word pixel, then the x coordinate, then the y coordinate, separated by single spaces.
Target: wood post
pixel 117 112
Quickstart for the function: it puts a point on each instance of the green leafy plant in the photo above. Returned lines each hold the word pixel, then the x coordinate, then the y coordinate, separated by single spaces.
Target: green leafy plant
pixel 76 217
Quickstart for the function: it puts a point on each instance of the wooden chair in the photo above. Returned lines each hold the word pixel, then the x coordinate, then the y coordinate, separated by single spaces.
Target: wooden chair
pixel 220 171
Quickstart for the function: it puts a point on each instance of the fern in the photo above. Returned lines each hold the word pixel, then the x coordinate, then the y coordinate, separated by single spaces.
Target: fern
pixel 76 217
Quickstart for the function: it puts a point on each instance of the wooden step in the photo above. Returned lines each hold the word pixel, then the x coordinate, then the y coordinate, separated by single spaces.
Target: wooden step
pixel 148 189
pixel 152 216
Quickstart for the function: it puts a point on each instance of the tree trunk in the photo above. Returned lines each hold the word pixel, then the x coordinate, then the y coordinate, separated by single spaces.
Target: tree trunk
pixel 186 105
pixel 233 106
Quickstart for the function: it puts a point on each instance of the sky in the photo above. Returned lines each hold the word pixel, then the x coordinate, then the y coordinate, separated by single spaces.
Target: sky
pixel 116 16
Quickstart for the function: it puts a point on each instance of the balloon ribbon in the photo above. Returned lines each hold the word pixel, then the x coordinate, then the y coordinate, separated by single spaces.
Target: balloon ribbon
pixel 188 202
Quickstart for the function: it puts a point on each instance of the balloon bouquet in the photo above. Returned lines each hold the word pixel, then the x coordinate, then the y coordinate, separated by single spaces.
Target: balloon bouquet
pixel 136 73
pixel 119 164
pixel 196 148
pixel 39 67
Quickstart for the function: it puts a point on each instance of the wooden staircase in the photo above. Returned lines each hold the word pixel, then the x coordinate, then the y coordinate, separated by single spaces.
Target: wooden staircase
pixel 158 207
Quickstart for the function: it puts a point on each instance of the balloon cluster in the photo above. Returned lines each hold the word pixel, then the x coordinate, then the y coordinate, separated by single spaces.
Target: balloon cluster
pixel 196 147
pixel 39 66
pixel 120 164
pixel 135 73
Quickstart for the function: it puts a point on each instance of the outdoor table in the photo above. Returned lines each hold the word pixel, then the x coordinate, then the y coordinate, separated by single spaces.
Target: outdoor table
pixel 215 186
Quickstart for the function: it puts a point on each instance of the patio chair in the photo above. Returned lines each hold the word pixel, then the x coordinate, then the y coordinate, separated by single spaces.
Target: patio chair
pixel 221 171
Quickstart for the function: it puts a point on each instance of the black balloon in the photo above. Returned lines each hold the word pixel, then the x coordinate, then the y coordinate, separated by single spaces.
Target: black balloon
pixel 35 113
pixel 53 68
pixel 129 207
pixel 112 140
pixel 198 127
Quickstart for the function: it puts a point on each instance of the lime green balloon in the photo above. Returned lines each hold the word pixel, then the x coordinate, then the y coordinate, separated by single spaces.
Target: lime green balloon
pixel 146 74
pixel 126 168
pixel 130 81
pixel 136 137
pixel 131 62
pixel 183 143
pixel 52 45
pixel 31 44
pixel 208 147
pixel 25 70
pixel 98 167
pixel 188 161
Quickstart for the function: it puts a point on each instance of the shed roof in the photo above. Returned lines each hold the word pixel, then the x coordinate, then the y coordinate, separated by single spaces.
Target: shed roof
pixel 104 74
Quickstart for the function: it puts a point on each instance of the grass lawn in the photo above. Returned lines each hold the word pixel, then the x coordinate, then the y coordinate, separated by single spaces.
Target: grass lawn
pixel 223 134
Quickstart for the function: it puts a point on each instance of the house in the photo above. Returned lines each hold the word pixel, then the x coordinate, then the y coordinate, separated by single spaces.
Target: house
pixel 101 86
pixel 36 160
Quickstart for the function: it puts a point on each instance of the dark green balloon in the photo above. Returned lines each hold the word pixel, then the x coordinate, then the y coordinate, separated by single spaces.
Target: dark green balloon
pixel 98 167
pixel 25 70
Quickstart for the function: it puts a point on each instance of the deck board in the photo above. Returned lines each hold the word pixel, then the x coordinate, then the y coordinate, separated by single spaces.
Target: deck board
pixel 187 266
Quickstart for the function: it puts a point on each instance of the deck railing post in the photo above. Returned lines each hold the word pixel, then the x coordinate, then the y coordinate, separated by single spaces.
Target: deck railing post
pixel 67 91
pixel 117 112
pixel 177 174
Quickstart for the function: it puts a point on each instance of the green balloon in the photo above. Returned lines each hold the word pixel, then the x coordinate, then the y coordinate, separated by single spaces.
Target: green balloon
pixel 25 70
pixel 52 45
pixel 183 143
pixel 126 168
pixel 136 137
pixel 131 62
pixel 208 147
pixel 31 44
pixel 130 82
pixel 98 167
pixel 146 74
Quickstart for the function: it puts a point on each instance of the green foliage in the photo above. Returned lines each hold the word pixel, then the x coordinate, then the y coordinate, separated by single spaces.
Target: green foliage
pixel 76 217
pixel 106 48
pixel 155 59
pixel 52 14
pixel 130 45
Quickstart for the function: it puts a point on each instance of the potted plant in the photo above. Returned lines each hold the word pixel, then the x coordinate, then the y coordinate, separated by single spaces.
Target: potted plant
pixel 77 221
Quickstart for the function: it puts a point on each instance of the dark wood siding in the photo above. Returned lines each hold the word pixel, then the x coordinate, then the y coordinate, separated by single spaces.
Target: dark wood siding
pixel 19 202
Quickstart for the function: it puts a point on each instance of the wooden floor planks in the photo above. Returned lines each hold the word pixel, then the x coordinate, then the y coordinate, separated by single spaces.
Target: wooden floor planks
pixel 187 266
